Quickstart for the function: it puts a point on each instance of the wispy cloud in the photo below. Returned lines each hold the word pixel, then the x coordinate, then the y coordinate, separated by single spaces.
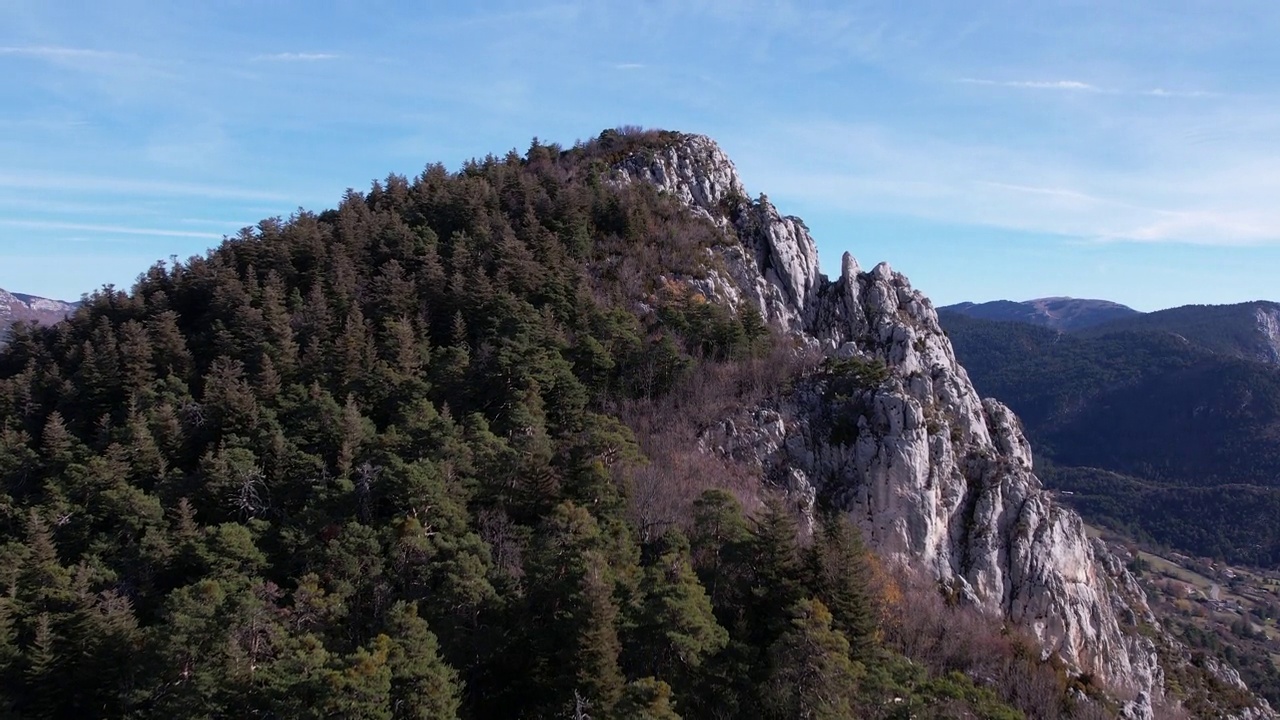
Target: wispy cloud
pixel 55 52
pixel 628 66
pixel 1080 86
pixel 1053 192
pixel 296 57
pixel 236 224
pixel 1074 85
pixel 1161 92
pixel 126 186
pixel 106 229
pixel 1161 189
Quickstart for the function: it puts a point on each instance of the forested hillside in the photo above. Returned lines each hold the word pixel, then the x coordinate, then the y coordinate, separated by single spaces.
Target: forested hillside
pixel 1244 330
pixel 408 459
pixel 1189 438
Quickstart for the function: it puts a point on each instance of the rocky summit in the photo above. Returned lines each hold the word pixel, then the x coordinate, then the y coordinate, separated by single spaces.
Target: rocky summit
pixel 939 479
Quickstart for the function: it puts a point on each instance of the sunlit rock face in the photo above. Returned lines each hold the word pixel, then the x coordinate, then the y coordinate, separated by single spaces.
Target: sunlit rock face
pixel 1268 318
pixel 938 478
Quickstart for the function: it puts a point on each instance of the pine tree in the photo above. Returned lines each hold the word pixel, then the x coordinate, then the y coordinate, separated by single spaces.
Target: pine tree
pixel 361 686
pixel 837 573
pixel 646 699
pixel 720 547
pixel 135 358
pixel 811 676
pixel 775 574
pixel 44 584
pixel 42 676
pixel 572 613
pixel 169 347
pixel 676 631
pixel 10 658
pixel 423 687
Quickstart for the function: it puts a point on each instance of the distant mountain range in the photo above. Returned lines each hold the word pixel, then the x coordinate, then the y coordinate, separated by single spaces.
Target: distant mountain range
pixel 1059 313
pixel 18 307
pixel 1250 331
pixel 1164 424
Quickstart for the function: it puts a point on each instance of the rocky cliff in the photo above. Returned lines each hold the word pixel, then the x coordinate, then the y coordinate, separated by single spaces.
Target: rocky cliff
pixel 893 431
pixel 1268 318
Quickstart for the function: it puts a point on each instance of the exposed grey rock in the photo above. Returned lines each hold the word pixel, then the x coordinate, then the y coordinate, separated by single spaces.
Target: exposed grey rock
pixel 1138 708
pixel 1269 330
pixel 938 478
pixel 774 269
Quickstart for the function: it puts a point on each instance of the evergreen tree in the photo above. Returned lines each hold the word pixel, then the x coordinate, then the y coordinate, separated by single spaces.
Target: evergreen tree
pixel 646 699
pixel 676 631
pixel 720 545
pixel 423 687
pixel 572 613
pixel 837 573
pixel 775 574
pixel 811 676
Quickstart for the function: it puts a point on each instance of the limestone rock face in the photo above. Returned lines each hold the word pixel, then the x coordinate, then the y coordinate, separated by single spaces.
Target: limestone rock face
pixel 1269 330
pixel 941 480
pixel 938 478
pixel 774 268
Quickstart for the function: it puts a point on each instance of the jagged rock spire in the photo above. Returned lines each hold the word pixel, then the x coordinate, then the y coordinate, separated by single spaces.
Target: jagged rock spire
pixel 939 478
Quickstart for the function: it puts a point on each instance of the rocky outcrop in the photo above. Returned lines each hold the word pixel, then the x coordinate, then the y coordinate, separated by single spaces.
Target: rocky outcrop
pixel 941 480
pixel 774 268
pixel 1268 317
pixel 892 429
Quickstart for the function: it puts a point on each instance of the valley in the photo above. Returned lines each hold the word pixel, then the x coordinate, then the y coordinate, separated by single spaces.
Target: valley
pixel 1230 613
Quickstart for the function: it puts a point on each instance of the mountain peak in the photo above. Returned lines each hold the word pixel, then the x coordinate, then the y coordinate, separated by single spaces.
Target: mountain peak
pixel 783 259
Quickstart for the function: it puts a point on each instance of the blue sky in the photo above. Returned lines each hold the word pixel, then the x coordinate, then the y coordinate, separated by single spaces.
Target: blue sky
pixel 1129 151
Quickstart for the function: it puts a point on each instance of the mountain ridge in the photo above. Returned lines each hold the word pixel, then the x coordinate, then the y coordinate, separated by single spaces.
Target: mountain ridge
pixel 1248 330
pixel 21 307
pixel 1139 402
pixel 1058 312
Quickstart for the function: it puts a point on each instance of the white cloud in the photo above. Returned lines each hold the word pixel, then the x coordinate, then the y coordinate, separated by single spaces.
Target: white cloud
pixel 1161 92
pixel 125 186
pixel 628 66
pixel 1036 84
pixel 53 52
pixel 1080 86
pixel 297 57
pixel 107 229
